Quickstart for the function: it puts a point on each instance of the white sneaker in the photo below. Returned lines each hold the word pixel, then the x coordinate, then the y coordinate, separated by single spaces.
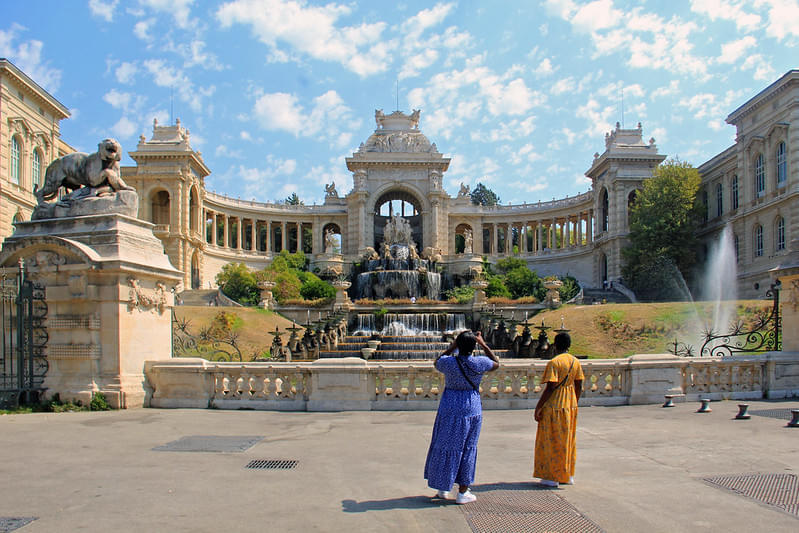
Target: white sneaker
pixel 465 497
pixel 571 480
pixel 548 483
pixel 442 494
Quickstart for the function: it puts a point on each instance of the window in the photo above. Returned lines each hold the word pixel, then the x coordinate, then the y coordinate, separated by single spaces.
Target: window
pixel 734 192
pixel 760 176
pixel 36 168
pixel 15 170
pixel 759 241
pixel 704 205
pixel 782 165
pixel 780 244
pixel 719 200
pixel 736 243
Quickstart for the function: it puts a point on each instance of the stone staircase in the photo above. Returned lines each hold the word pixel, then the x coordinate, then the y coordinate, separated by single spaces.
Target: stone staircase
pixel 197 297
pixel 591 296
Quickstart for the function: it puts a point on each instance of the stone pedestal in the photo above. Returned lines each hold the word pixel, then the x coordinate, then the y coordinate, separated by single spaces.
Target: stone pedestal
pixel 652 376
pixel 340 384
pixel 108 286
pixel 342 300
pixel 267 298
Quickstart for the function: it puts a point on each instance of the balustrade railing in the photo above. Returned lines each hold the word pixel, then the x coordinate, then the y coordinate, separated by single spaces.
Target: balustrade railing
pixel 389 385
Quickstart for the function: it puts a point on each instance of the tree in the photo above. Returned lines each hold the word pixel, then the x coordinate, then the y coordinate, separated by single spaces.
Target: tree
pixel 238 283
pixel 663 223
pixel 482 195
pixel 293 199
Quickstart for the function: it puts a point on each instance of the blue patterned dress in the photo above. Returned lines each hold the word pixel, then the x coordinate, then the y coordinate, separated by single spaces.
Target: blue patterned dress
pixel 453 449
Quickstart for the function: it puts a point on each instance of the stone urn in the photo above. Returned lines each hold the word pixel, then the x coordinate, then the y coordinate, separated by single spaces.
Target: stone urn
pixel 552 298
pixel 479 286
pixel 267 299
pixel 342 300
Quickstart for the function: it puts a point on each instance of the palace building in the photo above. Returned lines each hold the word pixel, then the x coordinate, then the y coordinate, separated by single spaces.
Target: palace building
pixel 753 186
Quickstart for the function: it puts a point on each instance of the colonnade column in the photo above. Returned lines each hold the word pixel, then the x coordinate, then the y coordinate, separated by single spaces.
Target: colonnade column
pixel 495 244
pixel 589 226
pixel 226 232
pixel 567 233
pixel 239 224
pixel 523 244
pixel 254 236
pixel 299 237
pixel 539 237
pixel 268 237
pixel 283 239
pixel 580 230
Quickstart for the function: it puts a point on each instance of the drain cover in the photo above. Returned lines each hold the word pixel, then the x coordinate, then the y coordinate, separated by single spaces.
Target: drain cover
pixel 205 443
pixel 776 490
pixel 272 464
pixel 783 414
pixel 10 524
pixel 530 510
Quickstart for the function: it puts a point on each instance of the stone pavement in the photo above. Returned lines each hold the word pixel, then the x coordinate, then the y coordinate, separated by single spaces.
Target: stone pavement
pixel 640 468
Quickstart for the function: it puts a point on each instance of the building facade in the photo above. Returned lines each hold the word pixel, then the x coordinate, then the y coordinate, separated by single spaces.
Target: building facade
pixel 751 187
pixel 30 139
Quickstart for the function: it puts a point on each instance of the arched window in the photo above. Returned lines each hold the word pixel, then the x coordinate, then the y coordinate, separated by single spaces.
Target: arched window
pixel 782 165
pixel 15 167
pixel 160 207
pixel 603 210
pixel 36 169
pixel 780 234
pixel 759 241
pixel 734 192
pixel 719 200
pixel 760 176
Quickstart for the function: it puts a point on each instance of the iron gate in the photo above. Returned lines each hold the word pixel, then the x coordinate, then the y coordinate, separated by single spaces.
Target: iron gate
pixel 23 312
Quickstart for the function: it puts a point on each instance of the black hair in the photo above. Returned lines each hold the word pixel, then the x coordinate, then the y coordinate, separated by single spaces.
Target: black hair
pixel 562 342
pixel 465 342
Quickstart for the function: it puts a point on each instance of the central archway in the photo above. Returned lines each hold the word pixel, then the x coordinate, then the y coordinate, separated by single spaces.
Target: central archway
pixel 401 203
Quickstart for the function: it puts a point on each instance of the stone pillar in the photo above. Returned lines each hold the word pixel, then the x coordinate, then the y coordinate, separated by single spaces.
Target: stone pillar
pixel 580 229
pixel 254 236
pixel 239 233
pixel 566 233
pixel 495 243
pixel 226 232
pixel 523 243
pixel 108 286
pixel 589 227
pixel 268 237
pixel 539 236
pixel 283 236
pixel 299 237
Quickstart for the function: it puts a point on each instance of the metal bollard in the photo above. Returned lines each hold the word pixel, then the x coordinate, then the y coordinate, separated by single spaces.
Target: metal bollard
pixel 705 406
pixel 794 423
pixel 669 401
pixel 743 413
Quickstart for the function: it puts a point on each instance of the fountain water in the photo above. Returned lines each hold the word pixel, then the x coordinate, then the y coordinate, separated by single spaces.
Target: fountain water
pixel 719 282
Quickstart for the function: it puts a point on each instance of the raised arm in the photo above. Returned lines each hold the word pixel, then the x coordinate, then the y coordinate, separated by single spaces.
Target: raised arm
pixel 490 354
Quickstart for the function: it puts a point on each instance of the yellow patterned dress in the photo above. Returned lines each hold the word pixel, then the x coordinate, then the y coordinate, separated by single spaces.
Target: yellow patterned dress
pixel 556 438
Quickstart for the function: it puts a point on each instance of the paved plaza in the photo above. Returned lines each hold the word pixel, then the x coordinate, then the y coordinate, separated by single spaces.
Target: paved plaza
pixel 640 468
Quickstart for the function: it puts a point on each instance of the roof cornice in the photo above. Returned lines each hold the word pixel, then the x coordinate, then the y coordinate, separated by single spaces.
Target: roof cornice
pixel 56 107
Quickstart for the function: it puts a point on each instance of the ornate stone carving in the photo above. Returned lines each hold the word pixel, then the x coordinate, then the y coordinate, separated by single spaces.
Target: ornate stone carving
pixel 464 192
pixel 45 258
pixel 435 180
pixel 77 285
pixel 139 299
pixel 397 231
pixel 330 191
pixel 359 180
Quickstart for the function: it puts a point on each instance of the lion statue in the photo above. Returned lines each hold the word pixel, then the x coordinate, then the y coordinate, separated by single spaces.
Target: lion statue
pixel 99 170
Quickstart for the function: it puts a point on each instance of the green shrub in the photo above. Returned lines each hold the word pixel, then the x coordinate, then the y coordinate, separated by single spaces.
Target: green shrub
pixel 496 287
pixel 99 403
pixel 462 295
pixel 239 283
pixel 316 289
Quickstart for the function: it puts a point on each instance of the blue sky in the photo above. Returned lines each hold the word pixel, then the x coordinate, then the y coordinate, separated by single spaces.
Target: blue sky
pixel 518 93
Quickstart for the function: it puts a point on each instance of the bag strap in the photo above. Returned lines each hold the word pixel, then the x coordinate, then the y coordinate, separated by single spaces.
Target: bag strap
pixel 568 373
pixel 460 365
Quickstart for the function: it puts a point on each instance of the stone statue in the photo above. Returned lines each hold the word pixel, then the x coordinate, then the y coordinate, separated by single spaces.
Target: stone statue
pixel 99 171
pixel 397 231
pixel 330 191
pixel 464 192
pixel 370 253
pixel 415 119
pixel 379 115
pixel 330 241
pixel 95 183
pixel 467 241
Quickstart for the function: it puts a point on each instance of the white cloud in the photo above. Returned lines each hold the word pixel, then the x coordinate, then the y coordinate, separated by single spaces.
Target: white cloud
pixel 761 66
pixel 563 86
pixel 671 89
pixel 142 30
pixel 733 50
pixel 27 56
pixel 103 8
pixel 245 135
pixel 727 10
pixel 544 68
pixel 179 9
pixel 284 112
pixel 597 117
pixel 125 72
pixel 223 150
pixel 598 15
pixel 782 18
pixel 311 30
pixel 529 186
pixel 165 75
pixel 124 128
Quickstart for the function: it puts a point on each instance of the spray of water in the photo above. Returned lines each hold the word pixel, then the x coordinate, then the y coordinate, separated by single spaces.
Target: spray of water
pixel 719 284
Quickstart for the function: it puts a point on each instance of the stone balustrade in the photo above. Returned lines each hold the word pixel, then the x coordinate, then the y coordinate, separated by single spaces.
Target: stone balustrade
pixel 355 384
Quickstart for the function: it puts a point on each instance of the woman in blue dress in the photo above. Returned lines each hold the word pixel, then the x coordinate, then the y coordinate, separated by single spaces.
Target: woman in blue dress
pixel 453 448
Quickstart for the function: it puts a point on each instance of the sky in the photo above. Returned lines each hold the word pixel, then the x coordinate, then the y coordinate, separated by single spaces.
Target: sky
pixel 520 94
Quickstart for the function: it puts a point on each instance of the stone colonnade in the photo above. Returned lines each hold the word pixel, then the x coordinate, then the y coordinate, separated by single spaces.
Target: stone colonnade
pixel 260 235
pixel 536 236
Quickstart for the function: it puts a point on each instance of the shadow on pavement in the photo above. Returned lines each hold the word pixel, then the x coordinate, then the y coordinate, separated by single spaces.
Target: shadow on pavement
pixel 408 502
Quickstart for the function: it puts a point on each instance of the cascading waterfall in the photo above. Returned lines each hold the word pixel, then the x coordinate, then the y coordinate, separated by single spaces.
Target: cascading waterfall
pixel 412 324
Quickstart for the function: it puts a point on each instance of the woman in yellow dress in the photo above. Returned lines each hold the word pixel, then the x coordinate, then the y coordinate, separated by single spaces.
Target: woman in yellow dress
pixel 556 414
